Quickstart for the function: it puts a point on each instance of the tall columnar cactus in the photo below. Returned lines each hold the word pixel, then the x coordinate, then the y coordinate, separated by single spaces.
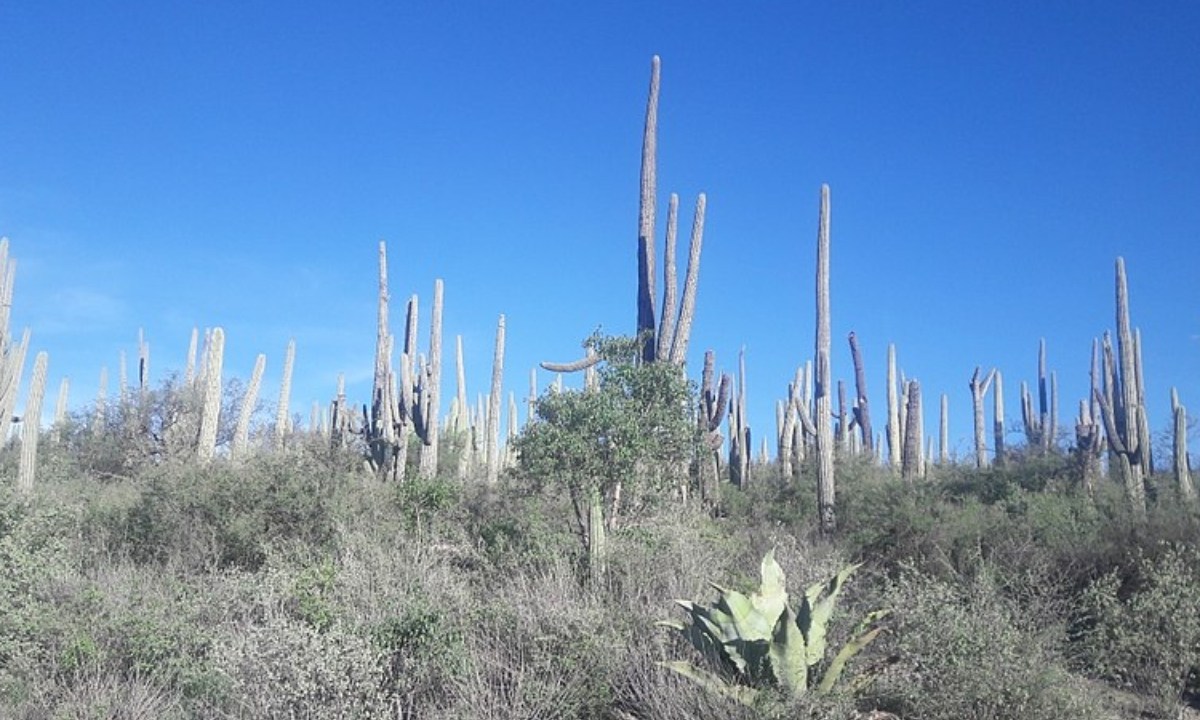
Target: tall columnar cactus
pixel 1183 475
pixel 60 409
pixel 862 412
pixel 714 400
pixel 979 388
pixel 912 464
pixel 493 410
pixel 668 341
pixel 210 410
pixel 944 432
pixel 894 433
pixel 824 376
pixel 1143 416
pixel 432 391
pixel 100 418
pixel 285 394
pixel 998 418
pixel 739 431
pixel 1120 404
pixel 241 434
pixel 31 424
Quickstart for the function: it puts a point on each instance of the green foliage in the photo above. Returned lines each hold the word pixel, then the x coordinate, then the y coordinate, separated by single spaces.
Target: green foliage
pixel 633 431
pixel 311 595
pixel 221 516
pixel 1141 629
pixel 967 651
pixel 758 642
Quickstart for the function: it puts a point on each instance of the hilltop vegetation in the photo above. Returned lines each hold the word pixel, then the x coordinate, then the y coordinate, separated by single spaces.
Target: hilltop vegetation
pixel 294 583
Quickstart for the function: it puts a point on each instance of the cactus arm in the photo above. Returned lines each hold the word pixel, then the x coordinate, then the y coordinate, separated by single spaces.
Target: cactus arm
pixel 646 209
pixel 582 363
pixel 666 323
pixel 687 306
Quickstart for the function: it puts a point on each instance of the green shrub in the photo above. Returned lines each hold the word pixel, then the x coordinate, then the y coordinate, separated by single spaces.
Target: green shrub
pixel 956 652
pixel 1141 630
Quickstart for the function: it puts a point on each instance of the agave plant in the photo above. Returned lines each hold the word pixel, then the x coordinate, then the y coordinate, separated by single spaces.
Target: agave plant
pixel 759 643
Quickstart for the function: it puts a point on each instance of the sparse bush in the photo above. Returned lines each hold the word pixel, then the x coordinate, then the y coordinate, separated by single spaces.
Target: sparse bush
pixel 1141 630
pixel 955 651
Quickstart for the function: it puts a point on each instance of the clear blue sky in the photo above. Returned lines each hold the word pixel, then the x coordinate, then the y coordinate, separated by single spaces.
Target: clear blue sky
pixel 166 165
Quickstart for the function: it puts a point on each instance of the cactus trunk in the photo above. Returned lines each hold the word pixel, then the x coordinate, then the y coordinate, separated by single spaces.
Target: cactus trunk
pixel 824 376
pixel 31 424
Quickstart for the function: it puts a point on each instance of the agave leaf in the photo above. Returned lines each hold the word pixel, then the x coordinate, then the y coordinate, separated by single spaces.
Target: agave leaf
pixel 788 657
pixel 753 655
pixel 863 636
pixel 748 622
pixel 771 598
pixel 712 682
pixel 815 611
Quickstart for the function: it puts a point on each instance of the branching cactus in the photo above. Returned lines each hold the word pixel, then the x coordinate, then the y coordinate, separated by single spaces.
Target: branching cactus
pixel 979 388
pixel 1120 402
pixel 663 339
pixel 739 430
pixel 761 649
pixel 415 405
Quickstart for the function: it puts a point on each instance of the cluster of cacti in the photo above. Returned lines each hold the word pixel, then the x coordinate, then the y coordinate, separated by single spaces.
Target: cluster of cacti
pixel 1042 426
pixel 414 405
pixel 740 446
pixel 1122 401
pixel 793 420
pixel 714 399
pixel 761 644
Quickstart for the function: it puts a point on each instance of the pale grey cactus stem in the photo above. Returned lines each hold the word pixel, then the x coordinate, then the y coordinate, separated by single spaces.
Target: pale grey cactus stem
pixel 647 202
pixel 189 371
pixel 893 407
pixel 241 435
pixel 285 395
pixel 210 410
pixel 979 388
pixel 60 409
pixel 31 424
pixel 493 411
pixel 666 323
pixel 431 397
pixel 1183 475
pixel 98 420
pixel 823 385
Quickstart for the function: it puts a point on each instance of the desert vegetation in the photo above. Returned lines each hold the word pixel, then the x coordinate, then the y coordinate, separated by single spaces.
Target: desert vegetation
pixel 168 553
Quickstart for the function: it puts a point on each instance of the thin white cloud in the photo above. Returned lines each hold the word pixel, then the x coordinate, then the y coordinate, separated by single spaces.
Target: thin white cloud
pixel 78 310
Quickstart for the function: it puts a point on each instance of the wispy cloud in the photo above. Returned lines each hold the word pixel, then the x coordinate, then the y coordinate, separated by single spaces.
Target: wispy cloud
pixel 79 310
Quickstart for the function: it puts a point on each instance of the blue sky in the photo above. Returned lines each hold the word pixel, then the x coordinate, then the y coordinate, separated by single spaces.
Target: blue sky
pixel 167 165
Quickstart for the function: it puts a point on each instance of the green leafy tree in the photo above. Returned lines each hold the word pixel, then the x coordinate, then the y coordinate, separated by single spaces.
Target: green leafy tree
pixel 616 446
